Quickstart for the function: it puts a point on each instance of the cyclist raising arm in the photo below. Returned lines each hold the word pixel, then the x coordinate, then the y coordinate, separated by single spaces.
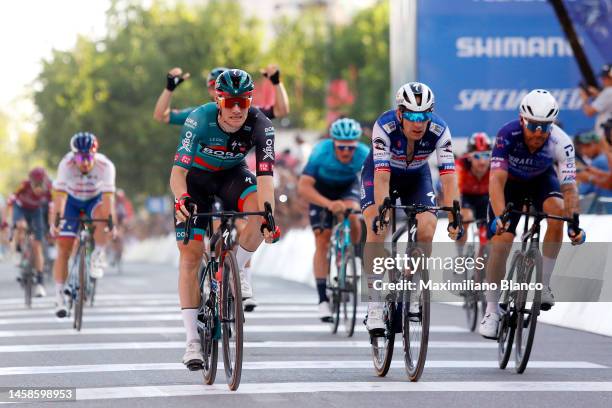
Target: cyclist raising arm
pixel 209 162
pixel 164 114
pixel 522 167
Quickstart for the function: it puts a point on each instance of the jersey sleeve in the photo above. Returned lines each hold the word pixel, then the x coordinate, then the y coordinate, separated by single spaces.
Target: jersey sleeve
pixel 381 148
pixel 565 158
pixel 312 166
pixel 186 149
pixel 179 116
pixel 444 153
pixel 61 181
pixel 268 111
pixel 499 155
pixel 108 178
pixel 263 133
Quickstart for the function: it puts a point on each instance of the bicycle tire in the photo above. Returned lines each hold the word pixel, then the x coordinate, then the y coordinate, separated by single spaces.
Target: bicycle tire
pixel 232 312
pixel 526 322
pixel 470 304
pixel 210 346
pixel 416 363
pixel 508 319
pixel 78 313
pixel 333 284
pixel 382 356
pixel 348 293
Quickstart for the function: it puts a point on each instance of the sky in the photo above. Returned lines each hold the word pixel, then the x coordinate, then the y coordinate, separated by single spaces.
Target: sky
pixel 30 29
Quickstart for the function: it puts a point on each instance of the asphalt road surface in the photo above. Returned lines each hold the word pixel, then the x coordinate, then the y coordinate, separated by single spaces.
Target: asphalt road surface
pixel 128 355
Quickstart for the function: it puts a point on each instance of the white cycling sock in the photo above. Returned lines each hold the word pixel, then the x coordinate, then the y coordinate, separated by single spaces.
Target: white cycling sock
pixel 548 265
pixel 492 297
pixel 242 256
pixel 190 317
pixel 248 271
pixel 59 292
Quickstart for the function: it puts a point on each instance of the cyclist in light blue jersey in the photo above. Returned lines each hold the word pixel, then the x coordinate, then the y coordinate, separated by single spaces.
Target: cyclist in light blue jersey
pixel 330 183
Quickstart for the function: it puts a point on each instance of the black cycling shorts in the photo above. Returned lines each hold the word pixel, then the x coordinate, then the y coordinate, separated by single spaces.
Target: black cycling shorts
pixel 230 187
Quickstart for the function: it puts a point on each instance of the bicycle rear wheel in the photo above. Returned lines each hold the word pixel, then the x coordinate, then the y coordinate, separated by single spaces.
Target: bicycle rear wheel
pixel 93 283
pixel 528 308
pixel 382 347
pixel 80 300
pixel 231 321
pixel 508 319
pixel 207 317
pixel 470 304
pixel 416 326
pixel 28 284
pixel 348 292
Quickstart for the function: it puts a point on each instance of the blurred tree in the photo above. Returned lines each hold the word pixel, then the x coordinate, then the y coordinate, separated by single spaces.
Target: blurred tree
pixel 17 150
pixel 315 51
pixel 110 86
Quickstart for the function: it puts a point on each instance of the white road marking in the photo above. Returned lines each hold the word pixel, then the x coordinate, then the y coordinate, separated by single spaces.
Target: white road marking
pixel 352 387
pixel 31 348
pixel 284 365
pixel 298 328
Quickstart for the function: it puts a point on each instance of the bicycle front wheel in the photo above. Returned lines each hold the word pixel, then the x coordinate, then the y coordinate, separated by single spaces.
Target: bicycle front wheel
pixel 81 283
pixel 527 310
pixel 208 319
pixel 415 319
pixel 348 292
pixel 507 324
pixel 382 347
pixel 231 321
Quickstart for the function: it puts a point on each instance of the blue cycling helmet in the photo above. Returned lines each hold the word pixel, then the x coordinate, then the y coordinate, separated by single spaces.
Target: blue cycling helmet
pixel 345 129
pixel 84 142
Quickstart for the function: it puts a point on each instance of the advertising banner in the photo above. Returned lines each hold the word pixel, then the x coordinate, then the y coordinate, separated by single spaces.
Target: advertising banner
pixel 481 57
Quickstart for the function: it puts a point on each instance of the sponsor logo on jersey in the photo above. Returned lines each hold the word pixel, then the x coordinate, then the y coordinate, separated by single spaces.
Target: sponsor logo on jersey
pixel 389 127
pixel 436 129
pixel 212 124
pixel 379 143
pixel 185 159
pixel 447 146
pixel 269 129
pixel 187 142
pixel 268 150
pixel 264 166
pixel 247 128
pixel 522 47
pixel 191 123
pixel 176 157
pixel 221 154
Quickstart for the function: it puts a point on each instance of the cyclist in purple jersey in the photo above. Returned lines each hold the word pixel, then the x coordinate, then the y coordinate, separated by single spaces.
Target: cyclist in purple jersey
pixel 522 167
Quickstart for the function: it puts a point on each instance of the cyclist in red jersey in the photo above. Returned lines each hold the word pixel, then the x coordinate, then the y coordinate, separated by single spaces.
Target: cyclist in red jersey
pixel 25 209
pixel 473 174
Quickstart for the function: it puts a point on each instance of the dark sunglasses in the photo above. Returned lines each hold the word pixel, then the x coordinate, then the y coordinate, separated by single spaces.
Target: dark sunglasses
pixel 344 148
pixel 543 127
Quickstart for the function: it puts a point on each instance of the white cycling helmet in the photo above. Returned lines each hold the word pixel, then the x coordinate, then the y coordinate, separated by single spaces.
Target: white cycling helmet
pixel 540 106
pixel 406 97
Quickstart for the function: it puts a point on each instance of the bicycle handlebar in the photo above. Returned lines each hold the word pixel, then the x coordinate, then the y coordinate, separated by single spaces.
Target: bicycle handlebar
pixel 417 209
pixel 86 220
pixel 267 214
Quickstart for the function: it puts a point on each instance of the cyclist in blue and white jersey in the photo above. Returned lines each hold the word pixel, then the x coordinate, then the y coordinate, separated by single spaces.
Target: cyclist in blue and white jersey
pixel 331 181
pixel 522 162
pixel 402 141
